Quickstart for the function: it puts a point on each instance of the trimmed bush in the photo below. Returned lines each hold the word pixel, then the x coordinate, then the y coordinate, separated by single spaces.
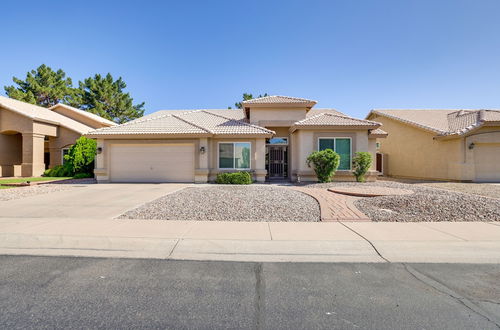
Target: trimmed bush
pixel 83 176
pixel 325 164
pixel 58 171
pixel 234 178
pixel 361 163
pixel 81 155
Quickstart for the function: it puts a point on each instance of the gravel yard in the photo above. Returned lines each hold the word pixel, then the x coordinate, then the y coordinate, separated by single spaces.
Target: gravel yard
pixel 231 203
pixel 483 189
pixel 426 204
pixel 46 188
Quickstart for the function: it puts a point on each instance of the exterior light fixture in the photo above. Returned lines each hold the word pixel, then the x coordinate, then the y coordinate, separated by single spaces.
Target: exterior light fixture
pixel 99 150
pixel 471 146
pixel 202 150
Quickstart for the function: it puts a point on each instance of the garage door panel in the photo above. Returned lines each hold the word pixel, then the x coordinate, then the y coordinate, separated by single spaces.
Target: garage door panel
pixel 487 162
pixel 152 163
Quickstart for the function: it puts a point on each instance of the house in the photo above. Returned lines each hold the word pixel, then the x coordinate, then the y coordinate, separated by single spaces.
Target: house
pixel 34 138
pixel 271 137
pixel 462 145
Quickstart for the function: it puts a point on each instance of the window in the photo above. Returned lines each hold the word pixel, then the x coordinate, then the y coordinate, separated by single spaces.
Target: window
pixel 234 155
pixel 378 145
pixel 342 146
pixel 277 140
pixel 64 152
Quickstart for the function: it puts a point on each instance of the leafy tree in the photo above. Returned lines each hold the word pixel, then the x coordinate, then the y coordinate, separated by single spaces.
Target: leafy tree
pixel 81 155
pixel 43 86
pixel 361 163
pixel 105 97
pixel 325 164
pixel 246 97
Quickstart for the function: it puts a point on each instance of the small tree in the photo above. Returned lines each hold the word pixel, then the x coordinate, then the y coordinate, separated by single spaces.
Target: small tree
pixel 361 163
pixel 81 155
pixel 325 164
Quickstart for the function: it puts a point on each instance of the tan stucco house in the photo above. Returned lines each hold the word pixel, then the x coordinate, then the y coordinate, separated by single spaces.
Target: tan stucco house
pixel 271 137
pixel 462 145
pixel 34 138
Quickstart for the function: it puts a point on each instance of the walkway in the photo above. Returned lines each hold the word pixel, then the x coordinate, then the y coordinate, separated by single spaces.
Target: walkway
pixel 333 206
pixel 450 242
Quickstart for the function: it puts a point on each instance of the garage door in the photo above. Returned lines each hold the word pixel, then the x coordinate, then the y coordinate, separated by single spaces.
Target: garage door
pixel 487 162
pixel 152 163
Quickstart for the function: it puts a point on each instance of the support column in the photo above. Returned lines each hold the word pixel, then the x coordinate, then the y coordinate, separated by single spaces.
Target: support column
pixel 33 154
pixel 101 168
pixel 201 172
pixel 260 160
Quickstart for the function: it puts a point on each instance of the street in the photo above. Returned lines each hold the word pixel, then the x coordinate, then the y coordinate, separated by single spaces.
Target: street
pixel 66 292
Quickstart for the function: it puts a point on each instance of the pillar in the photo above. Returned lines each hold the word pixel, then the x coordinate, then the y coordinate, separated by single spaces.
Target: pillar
pixel 33 155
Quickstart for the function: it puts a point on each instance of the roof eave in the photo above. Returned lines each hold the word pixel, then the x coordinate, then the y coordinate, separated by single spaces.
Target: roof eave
pixel 338 127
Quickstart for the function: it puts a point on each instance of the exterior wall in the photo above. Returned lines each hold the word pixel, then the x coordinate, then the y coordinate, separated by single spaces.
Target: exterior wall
pixel 486 137
pixel 263 116
pixel 414 153
pixel 206 164
pixel 64 139
pixel 306 141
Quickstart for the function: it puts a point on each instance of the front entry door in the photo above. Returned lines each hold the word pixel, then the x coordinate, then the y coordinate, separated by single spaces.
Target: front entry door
pixel 277 161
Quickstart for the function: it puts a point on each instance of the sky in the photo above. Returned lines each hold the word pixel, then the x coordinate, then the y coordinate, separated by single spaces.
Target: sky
pixel 349 55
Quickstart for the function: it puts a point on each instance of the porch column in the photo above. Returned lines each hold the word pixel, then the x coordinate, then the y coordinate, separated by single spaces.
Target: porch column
pixel 33 152
pixel 260 160
pixel 201 172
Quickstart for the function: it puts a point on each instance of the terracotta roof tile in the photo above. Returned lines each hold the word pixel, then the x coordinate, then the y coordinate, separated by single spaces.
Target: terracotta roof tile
pixel 332 119
pixel 278 99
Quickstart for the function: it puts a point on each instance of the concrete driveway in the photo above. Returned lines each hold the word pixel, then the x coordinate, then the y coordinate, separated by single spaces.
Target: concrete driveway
pixel 86 201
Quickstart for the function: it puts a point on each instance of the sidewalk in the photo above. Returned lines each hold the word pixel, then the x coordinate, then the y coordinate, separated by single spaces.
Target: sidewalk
pixel 253 241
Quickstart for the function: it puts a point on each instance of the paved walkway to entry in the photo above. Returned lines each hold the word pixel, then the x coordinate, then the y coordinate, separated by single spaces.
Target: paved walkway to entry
pixel 333 206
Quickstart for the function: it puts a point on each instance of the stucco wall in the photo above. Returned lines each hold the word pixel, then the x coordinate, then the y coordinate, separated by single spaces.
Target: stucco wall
pixel 11 149
pixel 287 115
pixel 414 153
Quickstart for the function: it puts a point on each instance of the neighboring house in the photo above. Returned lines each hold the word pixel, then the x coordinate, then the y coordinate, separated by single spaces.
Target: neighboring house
pixel 461 145
pixel 34 138
pixel 271 137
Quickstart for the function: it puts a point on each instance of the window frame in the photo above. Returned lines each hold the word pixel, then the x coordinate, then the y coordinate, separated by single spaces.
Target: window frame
pixel 278 144
pixel 233 168
pixel 334 145
pixel 62 154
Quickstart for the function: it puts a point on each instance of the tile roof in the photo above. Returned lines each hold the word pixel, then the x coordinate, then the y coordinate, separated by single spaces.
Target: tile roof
pixel 184 122
pixel 440 121
pixel 272 99
pixel 42 114
pixel 334 119
pixel 87 114
pixel 378 131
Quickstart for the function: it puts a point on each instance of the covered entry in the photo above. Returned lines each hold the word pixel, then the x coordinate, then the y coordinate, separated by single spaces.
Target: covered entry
pixel 152 163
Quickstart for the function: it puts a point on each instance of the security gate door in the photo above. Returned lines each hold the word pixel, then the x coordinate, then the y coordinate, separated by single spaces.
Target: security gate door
pixel 277 162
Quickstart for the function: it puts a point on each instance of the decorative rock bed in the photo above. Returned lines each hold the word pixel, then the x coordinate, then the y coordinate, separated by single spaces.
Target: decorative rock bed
pixel 370 191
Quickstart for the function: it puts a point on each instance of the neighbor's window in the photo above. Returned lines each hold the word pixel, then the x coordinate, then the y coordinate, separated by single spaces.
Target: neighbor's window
pixel 234 155
pixel 64 152
pixel 342 146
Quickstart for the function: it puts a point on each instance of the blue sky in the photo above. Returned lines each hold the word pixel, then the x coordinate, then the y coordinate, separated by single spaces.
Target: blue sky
pixel 349 55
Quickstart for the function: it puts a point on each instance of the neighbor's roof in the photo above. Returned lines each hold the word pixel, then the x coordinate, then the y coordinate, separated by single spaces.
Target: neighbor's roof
pixel 193 122
pixel 38 113
pixel 274 99
pixel 87 114
pixel 334 119
pixel 442 122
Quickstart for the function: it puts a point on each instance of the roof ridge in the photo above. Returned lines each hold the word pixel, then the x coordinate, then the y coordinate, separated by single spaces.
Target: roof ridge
pixel 193 124
pixel 244 123
pixel 308 118
pixel 335 115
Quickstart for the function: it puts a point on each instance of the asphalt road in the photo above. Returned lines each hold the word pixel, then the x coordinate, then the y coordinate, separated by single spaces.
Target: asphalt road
pixel 61 292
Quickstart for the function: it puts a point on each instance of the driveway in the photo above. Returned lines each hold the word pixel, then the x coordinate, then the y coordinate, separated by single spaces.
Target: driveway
pixel 86 201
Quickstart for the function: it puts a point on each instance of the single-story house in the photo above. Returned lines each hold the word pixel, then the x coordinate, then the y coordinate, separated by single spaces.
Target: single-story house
pixel 34 138
pixel 461 145
pixel 270 136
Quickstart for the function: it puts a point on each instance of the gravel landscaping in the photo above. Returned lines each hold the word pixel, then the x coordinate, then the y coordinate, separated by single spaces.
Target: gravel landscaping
pixel 483 189
pixel 231 203
pixel 46 188
pixel 426 204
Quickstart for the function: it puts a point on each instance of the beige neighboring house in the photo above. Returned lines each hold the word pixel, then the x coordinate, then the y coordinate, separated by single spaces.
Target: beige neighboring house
pixel 34 138
pixel 462 145
pixel 271 137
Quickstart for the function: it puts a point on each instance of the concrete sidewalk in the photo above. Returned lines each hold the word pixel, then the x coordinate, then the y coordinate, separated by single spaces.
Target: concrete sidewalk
pixel 253 241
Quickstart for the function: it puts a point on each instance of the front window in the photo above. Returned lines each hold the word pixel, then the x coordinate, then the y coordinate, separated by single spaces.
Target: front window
pixel 277 140
pixel 342 146
pixel 234 155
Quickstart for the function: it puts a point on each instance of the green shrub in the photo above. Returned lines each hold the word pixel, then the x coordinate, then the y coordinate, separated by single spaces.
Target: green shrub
pixel 325 164
pixel 83 176
pixel 234 178
pixel 81 155
pixel 58 171
pixel 361 163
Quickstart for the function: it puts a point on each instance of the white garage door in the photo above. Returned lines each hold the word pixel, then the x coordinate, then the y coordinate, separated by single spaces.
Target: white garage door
pixel 487 162
pixel 152 163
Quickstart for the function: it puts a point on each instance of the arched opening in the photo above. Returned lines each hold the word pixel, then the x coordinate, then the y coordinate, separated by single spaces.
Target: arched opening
pixel 11 153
